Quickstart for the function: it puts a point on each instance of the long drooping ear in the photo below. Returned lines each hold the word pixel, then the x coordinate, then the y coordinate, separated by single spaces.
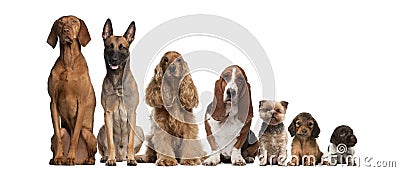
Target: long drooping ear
pixel 292 128
pixel 315 132
pixel 333 138
pixel 188 93
pixel 218 109
pixel 245 107
pixel 84 36
pixel 53 37
pixel 153 90
pixel 130 32
pixel 107 30
pixel 284 104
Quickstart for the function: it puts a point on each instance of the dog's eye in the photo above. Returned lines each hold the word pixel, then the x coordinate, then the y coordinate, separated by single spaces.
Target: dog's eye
pixel 278 111
pixel 74 21
pixel 298 124
pixel 165 59
pixel 241 79
pixel 178 60
pixel 111 45
pixel 225 76
pixel 121 46
pixel 310 124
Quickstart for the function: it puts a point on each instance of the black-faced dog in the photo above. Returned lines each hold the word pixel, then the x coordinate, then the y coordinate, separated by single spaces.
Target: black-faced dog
pixel 341 149
pixel 119 98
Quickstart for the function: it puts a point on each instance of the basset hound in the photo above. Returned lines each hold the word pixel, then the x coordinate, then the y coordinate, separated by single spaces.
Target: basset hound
pixel 228 120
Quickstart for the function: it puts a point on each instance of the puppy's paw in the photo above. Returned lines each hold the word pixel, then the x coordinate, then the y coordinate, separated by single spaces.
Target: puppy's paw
pixel 70 161
pixel 238 160
pixel 263 161
pixel 212 160
pixel 131 162
pixel 190 162
pixel 166 161
pixel 111 162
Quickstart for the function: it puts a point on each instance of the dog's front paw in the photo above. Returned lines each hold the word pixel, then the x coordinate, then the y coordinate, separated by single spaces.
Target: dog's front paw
pixel 131 162
pixel 111 162
pixel 70 161
pixel 166 161
pixel 263 161
pixel 56 161
pixel 190 162
pixel 249 160
pixel 212 160
pixel 238 160
pixel 103 159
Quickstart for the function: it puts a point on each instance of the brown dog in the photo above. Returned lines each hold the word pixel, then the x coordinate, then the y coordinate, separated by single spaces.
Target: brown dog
pixel 305 149
pixel 118 139
pixel 72 96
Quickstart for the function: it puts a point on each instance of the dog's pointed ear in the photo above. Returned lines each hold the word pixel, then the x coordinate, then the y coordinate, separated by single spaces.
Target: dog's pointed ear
pixel 315 131
pixel 53 37
pixel 84 36
pixel 130 32
pixel 284 104
pixel 107 29
pixel 292 128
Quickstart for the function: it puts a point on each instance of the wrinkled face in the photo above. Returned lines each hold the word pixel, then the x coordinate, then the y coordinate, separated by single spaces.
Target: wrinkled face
pixel 67 29
pixel 234 82
pixel 173 65
pixel 344 135
pixel 304 126
pixel 116 52
pixel 272 112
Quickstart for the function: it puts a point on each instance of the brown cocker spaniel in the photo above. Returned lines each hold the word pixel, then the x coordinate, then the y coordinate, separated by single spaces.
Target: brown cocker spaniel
pixel 305 150
pixel 173 95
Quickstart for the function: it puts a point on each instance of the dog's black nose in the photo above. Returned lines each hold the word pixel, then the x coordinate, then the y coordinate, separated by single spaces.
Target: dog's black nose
pixel 273 115
pixel 172 67
pixel 303 131
pixel 65 30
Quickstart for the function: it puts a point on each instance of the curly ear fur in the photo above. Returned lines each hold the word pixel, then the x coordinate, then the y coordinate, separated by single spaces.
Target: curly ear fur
pixel 53 37
pixel 153 90
pixel 218 109
pixel 188 93
pixel 245 106
pixel 292 128
pixel 315 132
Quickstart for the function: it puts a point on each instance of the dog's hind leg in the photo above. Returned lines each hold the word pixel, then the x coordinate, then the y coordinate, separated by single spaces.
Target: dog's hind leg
pixel 91 146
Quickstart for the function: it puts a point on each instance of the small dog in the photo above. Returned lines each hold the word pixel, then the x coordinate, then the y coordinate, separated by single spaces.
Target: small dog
pixel 72 96
pixel 342 145
pixel 173 95
pixel 305 149
pixel 228 120
pixel 273 137
pixel 119 139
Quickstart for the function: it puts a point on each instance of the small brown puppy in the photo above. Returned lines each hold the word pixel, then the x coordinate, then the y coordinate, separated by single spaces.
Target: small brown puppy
pixel 273 136
pixel 341 150
pixel 305 149
pixel 72 95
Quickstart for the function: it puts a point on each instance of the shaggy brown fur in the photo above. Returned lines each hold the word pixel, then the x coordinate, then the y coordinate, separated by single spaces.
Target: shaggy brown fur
pixel 305 149
pixel 173 96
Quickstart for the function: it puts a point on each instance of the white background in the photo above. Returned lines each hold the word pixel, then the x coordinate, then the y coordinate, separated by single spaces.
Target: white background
pixel 337 60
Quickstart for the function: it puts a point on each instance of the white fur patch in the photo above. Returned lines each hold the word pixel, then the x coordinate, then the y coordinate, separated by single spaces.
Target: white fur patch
pixel 236 157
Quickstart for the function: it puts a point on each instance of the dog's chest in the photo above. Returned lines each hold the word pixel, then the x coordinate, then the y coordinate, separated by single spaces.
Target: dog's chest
pixel 274 142
pixel 226 133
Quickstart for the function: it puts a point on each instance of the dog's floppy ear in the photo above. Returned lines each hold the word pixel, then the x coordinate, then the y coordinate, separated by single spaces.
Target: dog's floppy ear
pixel 107 29
pixel 188 95
pixel 292 128
pixel 315 131
pixel 130 32
pixel 218 107
pixel 333 138
pixel 84 36
pixel 245 107
pixel 53 37
pixel 284 104
pixel 153 90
